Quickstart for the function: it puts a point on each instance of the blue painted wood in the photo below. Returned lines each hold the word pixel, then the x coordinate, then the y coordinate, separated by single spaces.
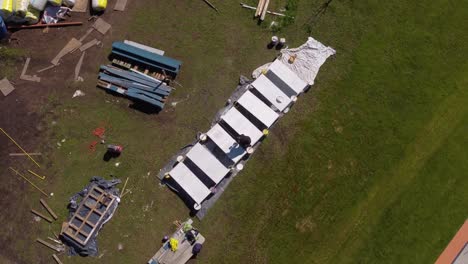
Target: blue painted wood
pixel 128 84
pixel 144 96
pixel 132 76
pixel 170 65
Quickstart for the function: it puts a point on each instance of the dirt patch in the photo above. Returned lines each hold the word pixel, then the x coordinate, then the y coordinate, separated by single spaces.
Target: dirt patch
pixel 23 117
pixel 306 225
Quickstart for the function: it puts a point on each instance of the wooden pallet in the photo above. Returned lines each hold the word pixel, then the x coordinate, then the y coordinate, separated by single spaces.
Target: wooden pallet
pixel 89 215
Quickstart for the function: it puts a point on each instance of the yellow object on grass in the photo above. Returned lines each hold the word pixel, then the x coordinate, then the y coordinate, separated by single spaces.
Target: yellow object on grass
pixel 174 243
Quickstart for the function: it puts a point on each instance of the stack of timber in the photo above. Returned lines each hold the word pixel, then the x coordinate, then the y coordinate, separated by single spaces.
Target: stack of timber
pixel 134 85
pixel 139 57
pixel 262 9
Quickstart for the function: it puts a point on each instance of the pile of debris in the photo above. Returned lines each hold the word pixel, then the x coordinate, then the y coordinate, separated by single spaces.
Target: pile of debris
pixel 145 76
pixel 36 13
pixel 89 210
pixel 184 244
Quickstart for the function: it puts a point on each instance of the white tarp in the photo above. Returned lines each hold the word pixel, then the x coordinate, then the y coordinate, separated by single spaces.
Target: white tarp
pixel 207 162
pixel 226 143
pixel 309 58
pixel 190 183
pixel 257 108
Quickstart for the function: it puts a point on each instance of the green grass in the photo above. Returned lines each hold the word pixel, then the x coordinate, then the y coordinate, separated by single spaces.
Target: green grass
pixel 9 59
pixel 368 167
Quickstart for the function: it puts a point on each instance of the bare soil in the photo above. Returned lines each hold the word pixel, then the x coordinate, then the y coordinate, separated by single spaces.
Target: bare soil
pixel 24 111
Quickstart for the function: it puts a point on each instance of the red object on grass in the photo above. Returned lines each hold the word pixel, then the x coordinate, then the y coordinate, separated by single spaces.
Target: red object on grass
pixel 99 132
pixel 92 146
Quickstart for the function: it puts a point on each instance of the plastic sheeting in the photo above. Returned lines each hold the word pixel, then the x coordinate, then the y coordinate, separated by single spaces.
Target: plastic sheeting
pixel 309 57
pixel 91 248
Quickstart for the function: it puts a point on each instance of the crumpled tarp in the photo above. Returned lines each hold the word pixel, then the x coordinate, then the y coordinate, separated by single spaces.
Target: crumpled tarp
pixel 53 14
pixel 91 248
pixel 309 58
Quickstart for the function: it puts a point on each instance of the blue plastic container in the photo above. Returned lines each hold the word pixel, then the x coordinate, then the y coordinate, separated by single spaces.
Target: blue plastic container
pixel 3 29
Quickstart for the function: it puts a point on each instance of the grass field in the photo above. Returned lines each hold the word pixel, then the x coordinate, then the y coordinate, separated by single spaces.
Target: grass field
pixel 370 166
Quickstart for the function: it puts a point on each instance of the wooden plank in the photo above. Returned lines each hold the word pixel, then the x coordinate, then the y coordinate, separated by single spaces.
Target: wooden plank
pixel 23 154
pixel 43 25
pixel 86 34
pixel 47 244
pixel 101 26
pixel 46 206
pixel 120 5
pixel 6 87
pixel 211 5
pixel 48 219
pixel 78 66
pixel 72 45
pixel 88 45
pixel 264 10
pixel 259 8
pixel 56 259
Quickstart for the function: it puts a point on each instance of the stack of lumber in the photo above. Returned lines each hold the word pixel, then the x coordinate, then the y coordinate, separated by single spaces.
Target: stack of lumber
pixel 262 9
pixel 134 85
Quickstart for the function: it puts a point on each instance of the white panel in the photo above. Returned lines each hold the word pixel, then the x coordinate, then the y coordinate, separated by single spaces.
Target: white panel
pixel 242 125
pixel 190 183
pixel 226 143
pixel 207 162
pixel 272 93
pixel 258 108
pixel 288 76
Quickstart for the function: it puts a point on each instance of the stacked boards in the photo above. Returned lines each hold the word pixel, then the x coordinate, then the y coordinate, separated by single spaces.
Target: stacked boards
pixel 262 9
pixel 134 85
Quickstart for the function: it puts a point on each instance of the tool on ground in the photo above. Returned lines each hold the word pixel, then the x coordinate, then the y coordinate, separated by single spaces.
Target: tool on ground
pixel 24 151
pixel 30 182
pixel 37 175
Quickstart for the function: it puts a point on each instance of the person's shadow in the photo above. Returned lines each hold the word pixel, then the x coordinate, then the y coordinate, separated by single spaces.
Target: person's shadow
pixel 109 155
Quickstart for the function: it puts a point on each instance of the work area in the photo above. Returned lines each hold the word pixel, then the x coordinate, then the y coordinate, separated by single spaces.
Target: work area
pixel 174 132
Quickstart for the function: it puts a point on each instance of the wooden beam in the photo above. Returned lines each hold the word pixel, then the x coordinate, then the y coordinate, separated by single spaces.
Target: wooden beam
pixel 63 24
pixel 56 259
pixel 258 12
pixel 48 219
pixel 46 206
pixel 47 244
pixel 23 154
pixel 264 10
pixel 211 5
pixel 253 8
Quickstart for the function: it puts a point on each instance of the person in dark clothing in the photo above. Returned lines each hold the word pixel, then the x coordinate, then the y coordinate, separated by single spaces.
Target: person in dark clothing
pixel 244 141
